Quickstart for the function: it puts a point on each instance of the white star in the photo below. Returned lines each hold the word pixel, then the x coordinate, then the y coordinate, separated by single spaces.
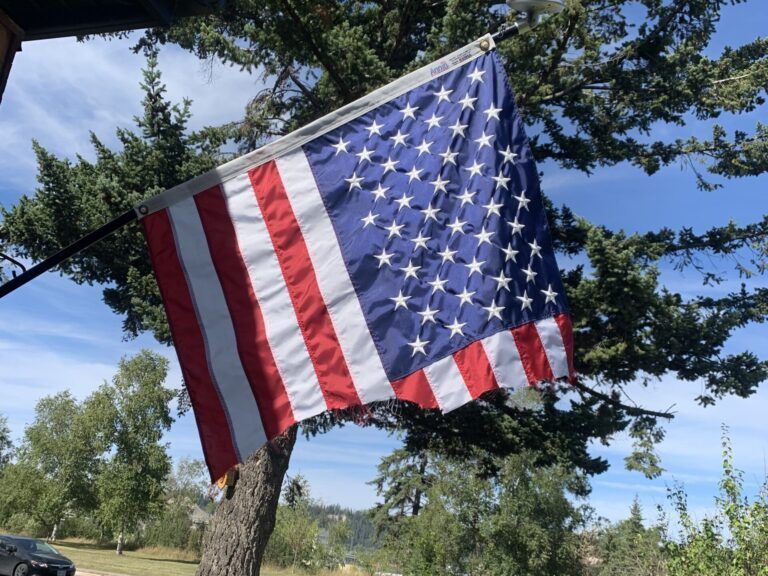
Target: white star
pixel 399 138
pixel 410 270
pixel 437 284
pixel 341 146
pixel 535 248
pixel 502 281
pixel 423 148
pixel 448 254
pixel 550 294
pixel 517 228
pixel 434 121
pixel 467 102
pixel 501 181
pixel 465 297
pixel 369 219
pixel 494 311
pixel 510 252
pixel 364 155
pixel 374 129
pixel 449 156
pixel 474 266
pixel 456 328
pixel 484 140
pixel 493 208
pixel 384 258
pixel 477 75
pixel 404 201
pixel 408 111
pixel 530 275
pixel 466 197
pixel 389 165
pixel 394 229
pixel 456 226
pixel 442 94
pixel 439 184
pixel 526 302
pixel 420 241
pixel 354 181
pixel 400 300
pixel 509 156
pixel 418 346
pixel 523 201
pixel 428 315
pixel 380 192
pixel 492 112
pixel 430 213
pixel 475 168
pixel 458 128
pixel 483 237
pixel 414 174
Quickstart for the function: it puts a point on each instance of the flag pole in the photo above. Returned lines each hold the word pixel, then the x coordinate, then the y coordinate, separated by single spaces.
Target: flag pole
pixel 77 246
pixel 530 14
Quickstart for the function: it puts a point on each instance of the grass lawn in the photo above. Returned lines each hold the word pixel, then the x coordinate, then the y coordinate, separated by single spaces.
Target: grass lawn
pixel 91 557
pixel 88 556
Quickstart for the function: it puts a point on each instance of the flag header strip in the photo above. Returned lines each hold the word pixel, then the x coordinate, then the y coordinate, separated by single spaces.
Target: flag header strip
pixel 317 128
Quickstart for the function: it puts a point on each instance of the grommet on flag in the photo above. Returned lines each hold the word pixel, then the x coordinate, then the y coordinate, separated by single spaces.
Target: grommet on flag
pixel 485 45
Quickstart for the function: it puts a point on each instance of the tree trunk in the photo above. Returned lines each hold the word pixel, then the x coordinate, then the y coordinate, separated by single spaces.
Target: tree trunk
pixel 52 537
pixel 235 540
pixel 417 497
pixel 120 543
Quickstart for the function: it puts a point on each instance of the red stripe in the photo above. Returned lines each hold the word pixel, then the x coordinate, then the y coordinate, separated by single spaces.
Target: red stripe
pixel 566 331
pixel 415 388
pixel 532 353
pixel 212 422
pixel 476 369
pixel 311 312
pixel 252 345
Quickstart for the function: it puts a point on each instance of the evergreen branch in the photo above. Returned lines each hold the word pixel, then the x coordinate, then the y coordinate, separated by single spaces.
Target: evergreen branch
pixel 632 410
pixel 559 52
pixel 733 78
pixel 316 50
pixel 304 89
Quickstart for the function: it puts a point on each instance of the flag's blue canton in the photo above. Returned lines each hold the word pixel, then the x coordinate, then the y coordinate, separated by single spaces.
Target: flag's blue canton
pixel 435 201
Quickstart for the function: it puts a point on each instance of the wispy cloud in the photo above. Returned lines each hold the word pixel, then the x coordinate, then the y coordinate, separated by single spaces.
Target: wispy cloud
pixel 61 90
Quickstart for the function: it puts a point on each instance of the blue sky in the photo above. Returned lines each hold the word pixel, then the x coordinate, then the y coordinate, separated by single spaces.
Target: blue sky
pixel 55 335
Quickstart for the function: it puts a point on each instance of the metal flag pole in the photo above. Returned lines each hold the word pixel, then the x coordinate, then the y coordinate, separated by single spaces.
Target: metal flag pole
pixel 530 14
pixel 65 253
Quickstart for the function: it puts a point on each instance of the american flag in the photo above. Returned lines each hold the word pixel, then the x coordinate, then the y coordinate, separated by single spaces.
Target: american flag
pixel 397 248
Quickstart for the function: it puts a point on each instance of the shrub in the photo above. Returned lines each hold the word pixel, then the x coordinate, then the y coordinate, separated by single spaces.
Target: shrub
pixel 731 542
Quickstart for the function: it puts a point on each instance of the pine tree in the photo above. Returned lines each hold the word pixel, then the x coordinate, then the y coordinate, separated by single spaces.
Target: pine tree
pixel 593 86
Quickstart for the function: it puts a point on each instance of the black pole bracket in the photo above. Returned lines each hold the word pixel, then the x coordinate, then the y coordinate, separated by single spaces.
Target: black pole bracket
pixel 77 246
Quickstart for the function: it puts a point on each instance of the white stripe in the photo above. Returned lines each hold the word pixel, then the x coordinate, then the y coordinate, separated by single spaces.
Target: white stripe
pixel 505 361
pixel 322 125
pixel 333 279
pixel 447 384
pixel 280 323
pixel 218 332
pixel 552 339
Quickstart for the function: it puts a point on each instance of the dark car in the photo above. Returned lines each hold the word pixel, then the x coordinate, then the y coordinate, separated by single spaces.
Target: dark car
pixel 21 556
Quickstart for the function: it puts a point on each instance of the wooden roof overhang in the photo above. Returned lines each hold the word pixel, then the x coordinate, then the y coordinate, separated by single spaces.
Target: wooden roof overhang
pixel 26 20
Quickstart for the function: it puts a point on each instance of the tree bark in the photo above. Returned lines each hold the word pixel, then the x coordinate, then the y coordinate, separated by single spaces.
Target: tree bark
pixel 120 543
pixel 52 537
pixel 235 540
